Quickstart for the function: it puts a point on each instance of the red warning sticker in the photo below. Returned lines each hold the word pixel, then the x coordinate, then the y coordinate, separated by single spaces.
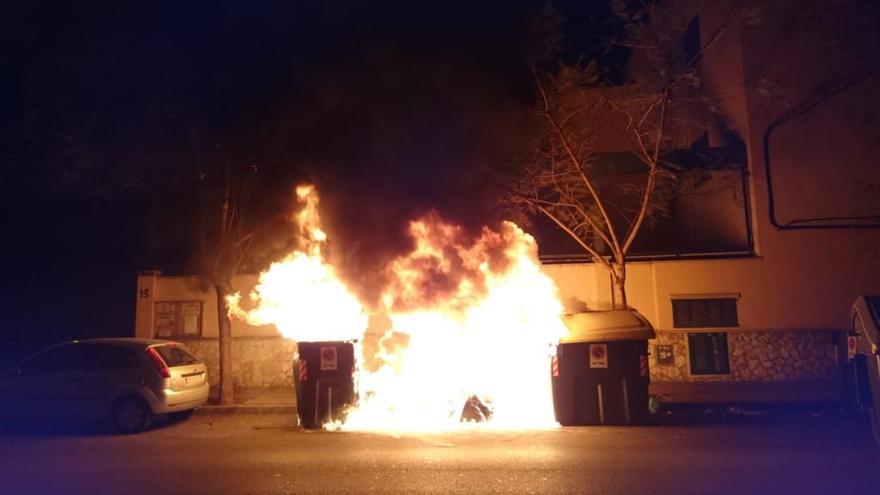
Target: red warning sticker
pixel 329 359
pixel 598 355
pixel 303 371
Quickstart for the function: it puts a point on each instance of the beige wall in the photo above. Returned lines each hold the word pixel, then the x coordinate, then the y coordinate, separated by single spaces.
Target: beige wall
pixel 781 336
pixel 257 361
pixel 768 297
pixel 191 288
pixel 765 317
pixel 813 296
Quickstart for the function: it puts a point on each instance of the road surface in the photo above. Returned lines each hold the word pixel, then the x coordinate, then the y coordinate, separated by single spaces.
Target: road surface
pixel 217 454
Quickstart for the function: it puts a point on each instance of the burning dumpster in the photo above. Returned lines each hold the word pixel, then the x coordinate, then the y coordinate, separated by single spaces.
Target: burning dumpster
pixel 324 376
pixel 600 372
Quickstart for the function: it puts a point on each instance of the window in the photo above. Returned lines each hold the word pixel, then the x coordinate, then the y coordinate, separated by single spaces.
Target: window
pixel 112 358
pixel 64 359
pixel 175 356
pixel 704 313
pixel 708 351
pixel 874 306
pixel 178 319
pixel 691 42
pixel 711 216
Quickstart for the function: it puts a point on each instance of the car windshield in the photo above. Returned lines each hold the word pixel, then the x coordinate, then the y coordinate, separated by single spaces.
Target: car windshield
pixel 175 355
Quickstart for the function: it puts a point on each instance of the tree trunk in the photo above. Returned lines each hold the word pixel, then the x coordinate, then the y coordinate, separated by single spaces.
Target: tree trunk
pixel 225 340
pixel 618 286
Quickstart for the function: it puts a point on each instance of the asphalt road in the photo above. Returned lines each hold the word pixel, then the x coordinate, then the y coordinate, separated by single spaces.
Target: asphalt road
pixel 789 454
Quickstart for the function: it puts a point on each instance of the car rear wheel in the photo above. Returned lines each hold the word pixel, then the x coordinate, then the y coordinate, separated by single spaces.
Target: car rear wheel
pixel 130 415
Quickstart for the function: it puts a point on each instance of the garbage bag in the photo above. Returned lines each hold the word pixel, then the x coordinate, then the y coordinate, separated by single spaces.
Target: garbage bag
pixel 475 410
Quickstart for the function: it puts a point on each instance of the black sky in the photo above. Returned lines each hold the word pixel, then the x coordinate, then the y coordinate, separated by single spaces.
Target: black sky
pixel 393 108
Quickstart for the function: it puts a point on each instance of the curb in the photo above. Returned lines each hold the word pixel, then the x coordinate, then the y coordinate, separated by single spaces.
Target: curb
pixel 245 409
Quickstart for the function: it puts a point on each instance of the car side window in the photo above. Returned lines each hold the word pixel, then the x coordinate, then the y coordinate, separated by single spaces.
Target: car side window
pixel 58 360
pixel 107 357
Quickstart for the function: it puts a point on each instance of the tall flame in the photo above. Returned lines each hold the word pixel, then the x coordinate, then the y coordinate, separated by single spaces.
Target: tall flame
pixel 302 295
pixel 469 315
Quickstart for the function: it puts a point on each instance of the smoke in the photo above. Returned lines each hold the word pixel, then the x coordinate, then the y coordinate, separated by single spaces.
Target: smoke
pixel 448 268
pixel 392 139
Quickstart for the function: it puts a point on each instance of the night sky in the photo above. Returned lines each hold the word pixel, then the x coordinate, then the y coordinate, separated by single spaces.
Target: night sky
pixel 115 109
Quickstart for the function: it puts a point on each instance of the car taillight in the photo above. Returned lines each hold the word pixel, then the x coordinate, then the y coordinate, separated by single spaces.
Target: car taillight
pixel 159 363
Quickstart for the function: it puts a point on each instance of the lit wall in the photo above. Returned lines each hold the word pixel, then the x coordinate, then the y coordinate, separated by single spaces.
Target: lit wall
pixel 770 297
pixel 154 287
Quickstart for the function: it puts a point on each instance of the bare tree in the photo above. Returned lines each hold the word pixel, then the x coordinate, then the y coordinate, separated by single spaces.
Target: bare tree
pixel 603 206
pixel 244 225
pixel 223 257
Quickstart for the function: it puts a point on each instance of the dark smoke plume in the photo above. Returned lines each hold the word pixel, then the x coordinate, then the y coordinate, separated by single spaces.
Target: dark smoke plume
pixel 390 140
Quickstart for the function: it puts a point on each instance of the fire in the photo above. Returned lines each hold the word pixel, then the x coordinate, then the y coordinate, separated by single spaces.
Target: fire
pixel 302 295
pixel 467 315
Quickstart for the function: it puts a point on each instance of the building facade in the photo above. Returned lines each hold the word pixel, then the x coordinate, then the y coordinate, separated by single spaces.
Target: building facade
pixel 184 308
pixel 797 89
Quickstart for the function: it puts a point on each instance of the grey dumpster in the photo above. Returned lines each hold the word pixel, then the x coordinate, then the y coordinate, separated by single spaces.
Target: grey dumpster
pixel 324 376
pixel 600 372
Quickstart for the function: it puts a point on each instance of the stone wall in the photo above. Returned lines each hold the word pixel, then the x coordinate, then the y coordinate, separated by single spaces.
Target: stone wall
pixel 256 361
pixel 754 356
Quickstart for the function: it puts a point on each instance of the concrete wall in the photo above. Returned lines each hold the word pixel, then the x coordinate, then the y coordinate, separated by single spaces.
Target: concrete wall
pixel 257 361
pixel 154 287
pixel 774 341
pixel 769 296
pixel 261 357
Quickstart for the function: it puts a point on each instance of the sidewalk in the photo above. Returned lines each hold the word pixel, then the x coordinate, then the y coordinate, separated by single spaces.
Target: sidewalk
pixel 268 400
pixel 253 400
pixel 826 392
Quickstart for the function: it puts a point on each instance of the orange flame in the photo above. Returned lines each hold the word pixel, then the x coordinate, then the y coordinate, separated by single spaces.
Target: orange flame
pixel 469 315
pixel 481 319
pixel 302 294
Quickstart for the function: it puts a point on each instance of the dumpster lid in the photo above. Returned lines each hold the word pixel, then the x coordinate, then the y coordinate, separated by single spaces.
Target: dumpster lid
pixel 600 326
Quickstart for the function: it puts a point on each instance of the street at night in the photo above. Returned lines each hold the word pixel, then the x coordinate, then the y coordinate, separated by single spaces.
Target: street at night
pixel 797 453
pixel 354 247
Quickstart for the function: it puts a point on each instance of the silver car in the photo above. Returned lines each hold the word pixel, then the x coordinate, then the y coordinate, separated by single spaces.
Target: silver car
pixel 124 380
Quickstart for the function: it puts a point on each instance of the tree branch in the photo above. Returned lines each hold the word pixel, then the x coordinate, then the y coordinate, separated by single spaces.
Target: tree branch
pixel 615 244
pixel 595 254
pixel 652 177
